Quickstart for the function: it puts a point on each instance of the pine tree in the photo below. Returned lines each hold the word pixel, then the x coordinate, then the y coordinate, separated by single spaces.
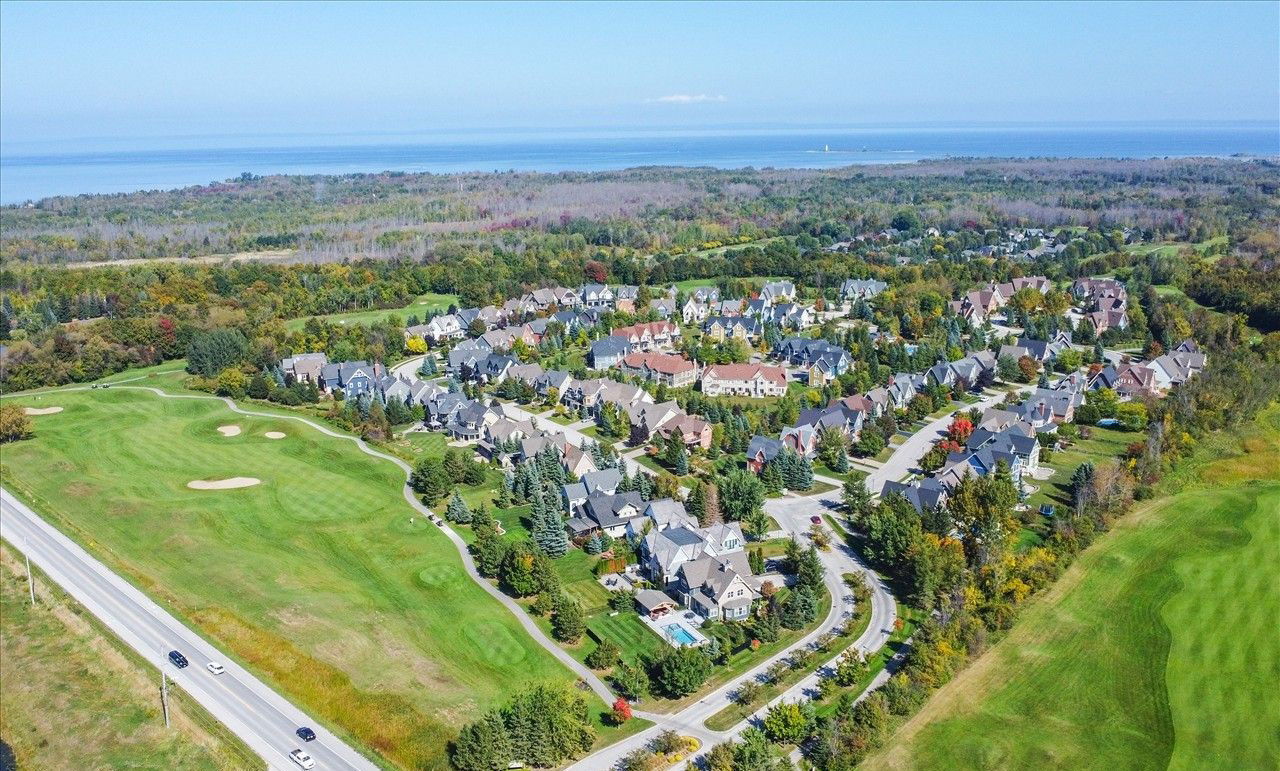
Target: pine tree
pixel 457 510
pixel 548 530
pixel 483 745
pixel 695 503
pixel 567 622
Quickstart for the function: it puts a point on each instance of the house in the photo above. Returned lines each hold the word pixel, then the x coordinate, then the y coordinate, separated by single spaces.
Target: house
pixel 1038 350
pixel 1059 405
pixel 754 380
pixel 861 289
pixel 355 378
pixel 804 351
pixel 790 316
pixel 588 395
pixel 596 296
pixel 648 336
pixel 717 586
pixel 761 450
pixel 1135 380
pixel 836 416
pixel 542 299
pixel 1012 441
pixel 980 462
pixel 444 327
pixel 647 417
pixel 555 379
pixel 469 422
pixel 705 294
pixel 693 311
pixel 603 482
pixel 691 431
pixel 941 374
pixel 663 551
pixel 675 371
pixel 654 604
pixel 1092 291
pixel 922 494
pixel 728 307
pixel 441 409
pixel 608 351
pixel 663 306
pixel 1177 367
pixel 1104 321
pixel 801 439
pixel 624 298
pixel 778 291
pixel 304 367
pixel 608 513
pixel 901 389
pixel 863 404
pixel 974 369
pixel 721 328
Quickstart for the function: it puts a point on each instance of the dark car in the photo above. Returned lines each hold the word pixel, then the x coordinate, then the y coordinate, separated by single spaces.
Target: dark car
pixel 305 734
pixel 178 659
pixel 815 519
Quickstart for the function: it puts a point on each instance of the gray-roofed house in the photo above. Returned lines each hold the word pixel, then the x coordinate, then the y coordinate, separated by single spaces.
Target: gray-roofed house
pixel 304 367
pixel 608 351
pixel 922 494
pixel 861 288
pixel 604 482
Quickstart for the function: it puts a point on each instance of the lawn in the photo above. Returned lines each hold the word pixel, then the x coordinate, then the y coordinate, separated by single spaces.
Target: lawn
pixel 318 579
pixel 822 469
pixel 419 306
pixel 628 632
pixel 1157 648
pixel 1105 444
pixel 75 697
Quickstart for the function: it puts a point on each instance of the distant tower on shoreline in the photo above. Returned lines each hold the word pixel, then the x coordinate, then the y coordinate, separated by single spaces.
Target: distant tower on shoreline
pixel 826 148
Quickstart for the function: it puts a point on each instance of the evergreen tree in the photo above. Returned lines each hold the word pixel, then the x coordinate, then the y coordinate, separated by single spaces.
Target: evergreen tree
pixel 567 623
pixel 857 501
pixel 771 477
pixel 549 532
pixel 696 502
pixel 258 388
pixel 483 745
pixel 809 570
pixel 800 608
pixel 457 510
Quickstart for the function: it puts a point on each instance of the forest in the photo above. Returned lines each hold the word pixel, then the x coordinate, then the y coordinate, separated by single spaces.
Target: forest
pixel 365 242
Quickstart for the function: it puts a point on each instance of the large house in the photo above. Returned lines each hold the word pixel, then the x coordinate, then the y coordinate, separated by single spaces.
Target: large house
pixel 922 494
pixel 542 299
pixel 354 378
pixel 761 450
pixel 861 288
pixel 304 367
pixel 675 371
pixel 608 351
pixel 596 296
pixel 754 380
pixel 744 328
pixel 778 291
pixel 1038 350
pixel 649 335
pixel 609 513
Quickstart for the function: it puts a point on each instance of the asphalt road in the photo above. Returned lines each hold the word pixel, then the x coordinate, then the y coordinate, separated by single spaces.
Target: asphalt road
pixel 263 719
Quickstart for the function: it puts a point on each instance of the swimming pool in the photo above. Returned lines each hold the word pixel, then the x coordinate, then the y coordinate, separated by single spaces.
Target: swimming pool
pixel 678 633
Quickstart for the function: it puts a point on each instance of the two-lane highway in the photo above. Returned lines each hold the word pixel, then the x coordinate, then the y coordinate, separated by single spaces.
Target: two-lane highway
pixel 262 718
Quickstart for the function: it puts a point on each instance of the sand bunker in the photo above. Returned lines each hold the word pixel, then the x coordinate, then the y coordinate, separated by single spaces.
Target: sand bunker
pixel 274 435
pixel 223 484
pixel 41 410
pixel 229 430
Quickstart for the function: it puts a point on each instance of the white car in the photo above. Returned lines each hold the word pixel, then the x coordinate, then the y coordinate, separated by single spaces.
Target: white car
pixel 215 667
pixel 302 759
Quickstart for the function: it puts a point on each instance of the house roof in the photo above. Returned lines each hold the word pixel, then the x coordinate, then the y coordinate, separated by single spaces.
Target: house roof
pixel 777 375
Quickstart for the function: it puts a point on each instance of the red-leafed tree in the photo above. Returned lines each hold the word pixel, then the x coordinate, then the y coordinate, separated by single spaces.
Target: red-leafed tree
pixel 621 711
pixel 595 271
pixel 960 429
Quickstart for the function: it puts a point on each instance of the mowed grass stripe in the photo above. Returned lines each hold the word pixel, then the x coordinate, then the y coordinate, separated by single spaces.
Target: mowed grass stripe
pixel 1159 648
pixel 313 577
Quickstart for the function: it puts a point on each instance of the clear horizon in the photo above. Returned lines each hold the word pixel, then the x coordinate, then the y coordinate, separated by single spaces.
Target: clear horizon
pixel 134 71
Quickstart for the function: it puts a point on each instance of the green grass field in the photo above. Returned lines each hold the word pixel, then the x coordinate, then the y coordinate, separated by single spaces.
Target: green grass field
pixel 418 307
pixel 317 578
pixel 1158 648
pixel 74 697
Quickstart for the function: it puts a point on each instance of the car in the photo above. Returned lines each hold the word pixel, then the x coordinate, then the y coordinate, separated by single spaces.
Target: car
pixel 815 519
pixel 302 759
pixel 306 734
pixel 215 667
pixel 178 659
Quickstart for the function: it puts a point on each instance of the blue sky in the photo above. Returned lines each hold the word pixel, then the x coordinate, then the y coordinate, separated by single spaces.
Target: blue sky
pixel 119 69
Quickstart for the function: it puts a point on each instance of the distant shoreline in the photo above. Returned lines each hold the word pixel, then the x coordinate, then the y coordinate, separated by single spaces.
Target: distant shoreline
pixel 33 176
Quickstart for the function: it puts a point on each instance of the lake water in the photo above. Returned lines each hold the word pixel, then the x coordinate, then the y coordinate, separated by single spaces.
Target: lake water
pixel 33 171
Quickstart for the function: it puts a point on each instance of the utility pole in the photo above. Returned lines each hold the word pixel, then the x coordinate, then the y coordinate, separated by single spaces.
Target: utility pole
pixel 31 584
pixel 164 695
